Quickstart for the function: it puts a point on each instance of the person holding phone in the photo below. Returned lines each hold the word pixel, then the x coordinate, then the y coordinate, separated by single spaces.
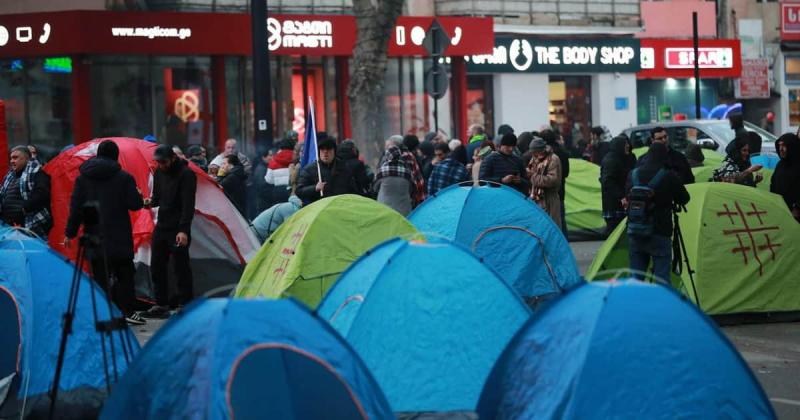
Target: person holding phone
pixel 174 188
pixel 503 167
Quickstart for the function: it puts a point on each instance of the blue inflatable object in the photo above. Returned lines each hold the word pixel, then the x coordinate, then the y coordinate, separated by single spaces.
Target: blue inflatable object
pixel 718 112
pixel 622 350
pixel 767 160
pixel 247 359
pixel 34 291
pixel 507 231
pixel 429 320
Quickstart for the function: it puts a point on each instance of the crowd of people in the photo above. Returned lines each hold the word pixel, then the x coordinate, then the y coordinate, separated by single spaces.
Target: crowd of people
pixel 536 164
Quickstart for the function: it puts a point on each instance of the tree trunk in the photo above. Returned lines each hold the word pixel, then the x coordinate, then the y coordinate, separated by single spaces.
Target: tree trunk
pixel 374 20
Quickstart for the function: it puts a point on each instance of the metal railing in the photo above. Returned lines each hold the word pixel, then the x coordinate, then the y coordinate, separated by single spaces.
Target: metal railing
pixel 622 13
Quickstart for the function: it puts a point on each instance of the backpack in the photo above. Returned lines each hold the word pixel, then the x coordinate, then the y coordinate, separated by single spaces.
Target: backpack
pixel 641 204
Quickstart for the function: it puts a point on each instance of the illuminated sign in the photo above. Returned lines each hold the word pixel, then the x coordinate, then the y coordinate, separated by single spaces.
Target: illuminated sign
pixel 58 65
pixel 708 58
pixel 674 58
pixel 299 34
pixel 790 21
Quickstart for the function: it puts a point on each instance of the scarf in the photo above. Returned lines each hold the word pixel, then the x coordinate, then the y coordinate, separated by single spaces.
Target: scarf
pixel 394 165
pixel 37 222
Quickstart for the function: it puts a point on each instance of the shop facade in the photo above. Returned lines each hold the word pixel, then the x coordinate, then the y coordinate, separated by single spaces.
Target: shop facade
pixel 787 66
pixel 666 84
pixel 186 78
pixel 569 83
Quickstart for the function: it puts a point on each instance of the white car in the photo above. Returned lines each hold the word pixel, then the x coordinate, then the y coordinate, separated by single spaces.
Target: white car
pixel 709 134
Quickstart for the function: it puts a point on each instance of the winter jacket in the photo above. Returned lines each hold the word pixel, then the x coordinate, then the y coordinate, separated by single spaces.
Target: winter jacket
pixel 545 183
pixel 497 165
pixel 278 173
pixel 103 180
pixel 337 176
pixel 234 183
pixel 668 191
pixel 270 219
pixel 786 177
pixel 174 195
pixel 28 204
pixel 614 172
pixel 395 192
pixel 563 157
pixel 676 163
pixel 357 168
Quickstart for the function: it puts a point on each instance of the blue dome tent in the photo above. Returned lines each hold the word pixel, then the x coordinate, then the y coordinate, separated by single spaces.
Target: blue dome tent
pixel 428 319
pixel 247 359
pixel 34 290
pixel 507 231
pixel 622 350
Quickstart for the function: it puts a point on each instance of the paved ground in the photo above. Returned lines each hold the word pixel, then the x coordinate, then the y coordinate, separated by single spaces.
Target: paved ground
pixel 771 350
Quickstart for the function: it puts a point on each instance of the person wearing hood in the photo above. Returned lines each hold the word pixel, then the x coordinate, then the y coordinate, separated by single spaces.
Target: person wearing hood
pixel 234 182
pixel 736 167
pixel 394 182
pixel 25 194
pixel 676 161
pixel 174 193
pixel 348 153
pixel 694 155
pixel 477 136
pixel 337 179
pixel 545 170
pixel 278 170
pixel 786 178
pixel 103 181
pixel 502 167
pixel 614 170
pixel 668 191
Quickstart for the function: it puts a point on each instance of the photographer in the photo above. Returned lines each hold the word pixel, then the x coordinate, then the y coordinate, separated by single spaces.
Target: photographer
pixel 652 192
pixel 102 181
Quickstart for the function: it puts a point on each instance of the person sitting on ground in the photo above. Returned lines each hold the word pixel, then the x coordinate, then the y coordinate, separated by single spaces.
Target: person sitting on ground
pixel 694 154
pixel 736 167
pixel 450 170
pixel 786 178
pixel 545 170
pixel 25 194
pixel 234 182
pixel 348 153
pixel 336 177
pixel 277 177
pixel 394 182
pixel 503 167
pixel 230 149
pixel 614 172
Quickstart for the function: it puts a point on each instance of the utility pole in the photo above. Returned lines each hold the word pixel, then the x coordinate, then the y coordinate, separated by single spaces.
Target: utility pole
pixel 262 83
pixel 696 45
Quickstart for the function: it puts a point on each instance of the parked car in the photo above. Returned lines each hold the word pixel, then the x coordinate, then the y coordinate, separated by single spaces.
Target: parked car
pixel 709 134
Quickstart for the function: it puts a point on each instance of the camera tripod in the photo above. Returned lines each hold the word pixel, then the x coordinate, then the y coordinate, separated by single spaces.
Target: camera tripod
pixel 678 249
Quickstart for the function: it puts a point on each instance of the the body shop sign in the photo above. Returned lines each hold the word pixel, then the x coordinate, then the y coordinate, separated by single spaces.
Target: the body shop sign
pixel 790 21
pixel 536 55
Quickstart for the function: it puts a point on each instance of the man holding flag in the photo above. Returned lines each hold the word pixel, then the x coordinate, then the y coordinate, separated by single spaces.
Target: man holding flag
pixel 322 174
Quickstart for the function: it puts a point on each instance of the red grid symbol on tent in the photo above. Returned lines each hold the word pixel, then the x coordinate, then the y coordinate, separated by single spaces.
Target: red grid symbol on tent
pixel 748 228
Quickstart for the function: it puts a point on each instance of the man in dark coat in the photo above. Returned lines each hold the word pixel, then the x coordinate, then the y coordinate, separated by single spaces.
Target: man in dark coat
pixel 675 162
pixel 25 194
pixel 234 182
pixel 103 182
pixel 348 154
pixel 786 178
pixel 669 192
pixel 174 189
pixel 336 179
pixel 504 168
pixel 614 172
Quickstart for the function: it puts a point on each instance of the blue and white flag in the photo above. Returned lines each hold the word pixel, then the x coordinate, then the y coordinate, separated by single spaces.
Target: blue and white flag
pixel 310 152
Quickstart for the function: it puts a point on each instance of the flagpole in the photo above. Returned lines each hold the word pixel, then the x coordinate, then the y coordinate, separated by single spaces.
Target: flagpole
pixel 316 149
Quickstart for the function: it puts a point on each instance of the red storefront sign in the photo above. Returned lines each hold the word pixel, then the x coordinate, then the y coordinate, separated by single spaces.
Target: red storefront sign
pixel 103 32
pixel 754 82
pixel 664 58
pixel 790 21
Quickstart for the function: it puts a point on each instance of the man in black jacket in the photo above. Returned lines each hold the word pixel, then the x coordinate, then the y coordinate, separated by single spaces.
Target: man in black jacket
pixel 348 153
pixel 504 168
pixel 103 182
pixel 668 192
pixel 174 188
pixel 676 161
pixel 234 182
pixel 25 194
pixel 337 178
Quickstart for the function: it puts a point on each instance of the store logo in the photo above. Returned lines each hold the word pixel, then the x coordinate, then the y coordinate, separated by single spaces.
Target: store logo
pixel 299 34
pixel 187 107
pixel 24 34
pixel 707 58
pixel 521 54
pixel 791 18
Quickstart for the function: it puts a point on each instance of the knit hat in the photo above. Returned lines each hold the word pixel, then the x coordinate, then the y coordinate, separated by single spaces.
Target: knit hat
pixel 508 139
pixel 538 145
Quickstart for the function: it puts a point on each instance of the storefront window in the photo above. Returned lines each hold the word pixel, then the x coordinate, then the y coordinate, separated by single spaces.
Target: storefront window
pixel 38 99
pixel 479 102
pixel 570 107
pixel 169 97
pixel 407 104
pixel 793 70
pixel 663 100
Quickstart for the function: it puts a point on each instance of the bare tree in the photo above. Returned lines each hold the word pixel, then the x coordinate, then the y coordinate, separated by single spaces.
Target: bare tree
pixel 374 20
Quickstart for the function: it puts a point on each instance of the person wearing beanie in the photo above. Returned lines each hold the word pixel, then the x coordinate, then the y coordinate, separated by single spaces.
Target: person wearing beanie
pixel 103 181
pixel 174 191
pixel 503 167
pixel 545 170
pixel 278 171
pixel 337 179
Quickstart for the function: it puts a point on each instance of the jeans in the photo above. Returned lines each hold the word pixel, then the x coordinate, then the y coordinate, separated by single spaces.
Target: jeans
pixel 162 248
pixel 656 247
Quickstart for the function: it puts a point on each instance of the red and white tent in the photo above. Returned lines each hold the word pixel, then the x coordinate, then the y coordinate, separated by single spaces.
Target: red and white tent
pixel 222 240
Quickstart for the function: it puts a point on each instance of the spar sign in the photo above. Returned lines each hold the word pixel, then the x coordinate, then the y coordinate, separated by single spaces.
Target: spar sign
pixel 708 58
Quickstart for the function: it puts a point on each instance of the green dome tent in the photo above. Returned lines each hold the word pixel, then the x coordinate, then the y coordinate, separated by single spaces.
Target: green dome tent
pixel 741 244
pixel 305 256
pixel 583 205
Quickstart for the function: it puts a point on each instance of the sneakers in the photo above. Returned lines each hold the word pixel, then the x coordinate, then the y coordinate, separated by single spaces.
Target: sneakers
pixel 156 312
pixel 135 319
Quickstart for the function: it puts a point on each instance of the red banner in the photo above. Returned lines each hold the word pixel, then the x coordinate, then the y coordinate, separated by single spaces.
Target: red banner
pixel 790 21
pixel 664 58
pixel 103 32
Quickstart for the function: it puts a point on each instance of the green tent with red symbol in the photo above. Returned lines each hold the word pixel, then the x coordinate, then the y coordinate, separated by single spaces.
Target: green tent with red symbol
pixel 742 244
